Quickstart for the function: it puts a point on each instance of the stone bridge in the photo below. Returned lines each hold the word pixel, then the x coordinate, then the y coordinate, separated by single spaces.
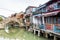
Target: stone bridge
pixel 5 21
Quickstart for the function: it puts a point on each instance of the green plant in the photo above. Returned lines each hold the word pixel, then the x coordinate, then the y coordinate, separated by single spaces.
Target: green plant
pixel 1 19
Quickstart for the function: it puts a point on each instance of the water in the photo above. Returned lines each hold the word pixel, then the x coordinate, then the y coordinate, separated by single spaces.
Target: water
pixel 6 29
pixel 21 34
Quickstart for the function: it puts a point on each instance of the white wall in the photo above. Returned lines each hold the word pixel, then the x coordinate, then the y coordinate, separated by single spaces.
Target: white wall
pixel 36 21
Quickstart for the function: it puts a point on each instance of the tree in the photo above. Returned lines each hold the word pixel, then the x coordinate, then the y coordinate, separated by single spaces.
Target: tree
pixel 1 18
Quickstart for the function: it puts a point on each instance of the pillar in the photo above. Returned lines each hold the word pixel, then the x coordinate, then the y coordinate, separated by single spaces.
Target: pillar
pixel 34 31
pixel 38 32
pixel 46 35
pixel 55 37
pixel 43 19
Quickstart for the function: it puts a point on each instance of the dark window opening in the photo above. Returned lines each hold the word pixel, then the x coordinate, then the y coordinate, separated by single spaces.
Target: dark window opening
pixel 58 5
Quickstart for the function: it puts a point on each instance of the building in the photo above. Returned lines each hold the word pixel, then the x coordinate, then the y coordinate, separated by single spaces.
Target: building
pixel 28 14
pixel 29 11
pixel 18 15
pixel 50 18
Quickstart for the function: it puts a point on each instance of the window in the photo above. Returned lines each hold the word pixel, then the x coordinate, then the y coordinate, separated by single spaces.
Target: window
pixel 45 19
pixel 33 10
pixel 58 5
pixel 54 20
pixel 44 10
pixel 52 7
pixel 49 20
pixel 58 20
pixel 55 6
pixel 41 20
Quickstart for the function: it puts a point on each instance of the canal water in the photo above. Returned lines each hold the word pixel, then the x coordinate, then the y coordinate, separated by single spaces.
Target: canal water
pixel 21 34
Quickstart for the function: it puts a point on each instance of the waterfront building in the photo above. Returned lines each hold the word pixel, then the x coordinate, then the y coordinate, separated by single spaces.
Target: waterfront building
pixel 28 14
pixel 50 18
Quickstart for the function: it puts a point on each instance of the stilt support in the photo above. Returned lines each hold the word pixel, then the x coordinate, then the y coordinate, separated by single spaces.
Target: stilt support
pixel 46 35
pixel 38 32
pixel 55 37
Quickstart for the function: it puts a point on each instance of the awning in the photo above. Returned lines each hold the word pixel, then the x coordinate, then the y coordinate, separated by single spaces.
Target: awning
pixel 51 13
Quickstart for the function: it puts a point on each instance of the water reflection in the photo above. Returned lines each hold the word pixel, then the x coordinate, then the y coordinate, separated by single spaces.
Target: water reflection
pixel 21 35
pixel 36 38
pixel 2 38
pixel 24 38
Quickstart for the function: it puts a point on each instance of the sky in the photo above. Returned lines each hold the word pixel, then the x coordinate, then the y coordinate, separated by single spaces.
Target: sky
pixel 8 7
